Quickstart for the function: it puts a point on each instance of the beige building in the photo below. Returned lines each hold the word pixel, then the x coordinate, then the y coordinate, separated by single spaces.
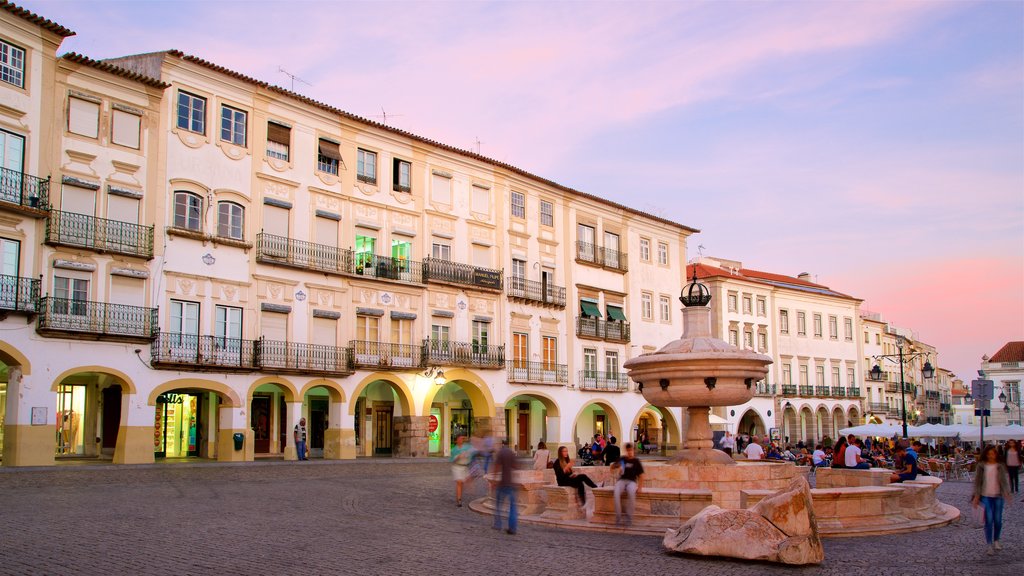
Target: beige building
pixel 203 259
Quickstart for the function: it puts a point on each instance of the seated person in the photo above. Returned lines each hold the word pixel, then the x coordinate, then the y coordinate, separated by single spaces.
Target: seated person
pixel 818 457
pixel 774 453
pixel 852 456
pixel 909 469
pixel 611 452
pixel 565 476
pixel 596 449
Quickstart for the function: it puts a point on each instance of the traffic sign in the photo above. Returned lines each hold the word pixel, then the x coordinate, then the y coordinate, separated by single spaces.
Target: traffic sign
pixel 982 412
pixel 982 389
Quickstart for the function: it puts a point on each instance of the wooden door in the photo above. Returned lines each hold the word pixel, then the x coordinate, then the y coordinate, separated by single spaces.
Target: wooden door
pixel 260 422
pixel 599 424
pixel 111 415
pixel 382 429
pixel 524 431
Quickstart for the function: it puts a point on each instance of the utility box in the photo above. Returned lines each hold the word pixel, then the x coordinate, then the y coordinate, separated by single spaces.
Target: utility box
pixel 239 439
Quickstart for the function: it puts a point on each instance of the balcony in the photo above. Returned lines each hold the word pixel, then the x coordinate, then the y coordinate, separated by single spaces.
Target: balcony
pixel 448 272
pixel 202 353
pixel 945 407
pixel 853 392
pixel 789 390
pixel 366 354
pixel 388 268
pixel 822 391
pixel 96 320
pixel 448 353
pixel 532 291
pixel 839 391
pixel 807 391
pixel 293 357
pixel 600 329
pixel 603 381
pixel 931 394
pixel 282 251
pixel 765 390
pixel 522 372
pixel 587 253
pixel 18 294
pixel 878 407
pixel 99 234
pixel 23 193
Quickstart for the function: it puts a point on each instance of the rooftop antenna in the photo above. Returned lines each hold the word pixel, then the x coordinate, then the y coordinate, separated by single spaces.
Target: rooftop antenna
pixel 293 78
pixel 700 251
pixel 384 116
pixel 477 144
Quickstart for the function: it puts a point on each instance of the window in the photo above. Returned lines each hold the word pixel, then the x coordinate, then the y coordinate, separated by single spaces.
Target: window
pixel 328 157
pixel 761 307
pixel 481 200
pixel 732 302
pixel 124 130
pixel 835 377
pixel 518 205
pixel 401 175
pixel 481 256
pixel 665 304
pixel 401 331
pixel 817 325
pixel 550 350
pixel 646 306
pixel 70 294
pixel 520 348
pixel 184 318
pixel 188 209
pixel 232 125
pixel 366 248
pixel 784 321
pixel 441 251
pixel 819 375
pixel 230 218
pixel 368 328
pixel 801 323
pixel 734 337
pixel 279 139
pixel 851 377
pixel 401 253
pixel 833 327
pixel 878 339
pixel 547 213
pixel 518 268
pixel 441 190
pixel 228 322
pixel 10 251
pixel 440 332
pixel 191 112
pixel 747 305
pixel 803 374
pixel 848 328
pixel 645 250
pixel 787 374
pixel 663 253
pixel 748 340
pixel 589 362
pixel 327 235
pixel 83 117
pixel 611 363
pixel 480 333
pixel 12 64
pixel 276 220
pixel 762 342
pixel 366 166
pixel 867 339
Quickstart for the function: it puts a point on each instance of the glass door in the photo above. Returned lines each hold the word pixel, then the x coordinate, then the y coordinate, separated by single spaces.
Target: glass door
pixel 228 328
pixel 10 286
pixel 12 156
pixel 70 416
pixel 184 329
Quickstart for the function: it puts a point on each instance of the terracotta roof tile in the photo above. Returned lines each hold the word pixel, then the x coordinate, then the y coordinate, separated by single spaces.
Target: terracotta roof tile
pixel 116 70
pixel 1010 352
pixel 759 277
pixel 36 19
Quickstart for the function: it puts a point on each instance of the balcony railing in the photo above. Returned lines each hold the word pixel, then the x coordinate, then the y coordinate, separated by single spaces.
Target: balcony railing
pixel 388 268
pixel 446 352
pixel 610 330
pixel 23 190
pixel 115 321
pixel 853 392
pixel 538 372
pixel 931 394
pixel 807 391
pixel 18 294
pixel 99 234
pixel 196 352
pixel 839 391
pixel 822 391
pixel 599 256
pixel 878 406
pixel 534 291
pixel 278 356
pixel 765 389
pixel 367 354
pixel 945 407
pixel 789 390
pixel 272 249
pixel 440 270
pixel 605 381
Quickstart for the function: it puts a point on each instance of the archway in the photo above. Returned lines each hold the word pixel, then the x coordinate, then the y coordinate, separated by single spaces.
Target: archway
pixel 806 426
pixel 853 416
pixel 12 364
pixel 531 418
pixel 187 420
pixel 838 421
pixel 596 417
pixel 269 417
pixel 790 424
pixel 659 426
pixel 383 409
pixel 824 424
pixel 89 411
pixel 461 406
pixel 321 406
pixel 752 424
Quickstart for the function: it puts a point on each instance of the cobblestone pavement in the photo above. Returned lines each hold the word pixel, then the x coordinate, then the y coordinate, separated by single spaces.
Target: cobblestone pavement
pixel 377 517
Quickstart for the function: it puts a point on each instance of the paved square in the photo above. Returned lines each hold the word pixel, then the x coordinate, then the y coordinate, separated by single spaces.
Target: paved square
pixel 376 517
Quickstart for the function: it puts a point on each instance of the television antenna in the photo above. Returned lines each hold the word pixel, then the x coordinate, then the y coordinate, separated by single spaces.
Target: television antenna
pixel 383 116
pixel 293 78
pixel 477 144
pixel 700 250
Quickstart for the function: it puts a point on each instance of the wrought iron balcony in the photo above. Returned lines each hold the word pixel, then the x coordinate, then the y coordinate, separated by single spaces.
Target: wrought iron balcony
pixel 839 391
pixel 600 256
pixel 878 406
pixel 99 234
pixel 282 251
pixel 807 391
pixel 523 289
pixel 945 407
pixel 367 354
pixel 764 389
pixel 448 353
pixel 440 270
pixel 388 268
pixel 277 356
pixel 604 381
pixel 931 394
pixel 822 391
pixel 521 371
pixel 24 192
pixel 601 329
pixel 853 392
pixel 100 320
pixel 195 352
pixel 18 294
pixel 789 390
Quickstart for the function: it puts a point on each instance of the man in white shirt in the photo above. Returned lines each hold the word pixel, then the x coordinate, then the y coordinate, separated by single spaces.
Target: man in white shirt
pixel 754 450
pixel 818 456
pixel 852 456
pixel 728 443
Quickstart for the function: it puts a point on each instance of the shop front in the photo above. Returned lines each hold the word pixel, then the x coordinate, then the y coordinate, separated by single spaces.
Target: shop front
pixel 177 427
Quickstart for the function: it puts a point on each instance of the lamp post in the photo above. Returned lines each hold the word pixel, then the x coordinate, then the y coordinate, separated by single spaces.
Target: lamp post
pixel 927 371
pixel 1006 405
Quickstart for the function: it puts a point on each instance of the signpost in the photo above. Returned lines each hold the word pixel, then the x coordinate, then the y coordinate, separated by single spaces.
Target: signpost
pixel 982 392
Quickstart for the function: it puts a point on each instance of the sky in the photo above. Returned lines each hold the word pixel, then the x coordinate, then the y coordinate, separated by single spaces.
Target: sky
pixel 877 146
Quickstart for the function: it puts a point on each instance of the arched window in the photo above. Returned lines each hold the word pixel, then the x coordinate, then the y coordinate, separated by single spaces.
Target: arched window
pixel 230 220
pixel 188 210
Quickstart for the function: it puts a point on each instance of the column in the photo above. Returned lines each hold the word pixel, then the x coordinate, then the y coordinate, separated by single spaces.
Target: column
pixel 340 436
pixel 27 443
pixel 294 410
pixel 135 433
pixel 410 436
pixel 234 421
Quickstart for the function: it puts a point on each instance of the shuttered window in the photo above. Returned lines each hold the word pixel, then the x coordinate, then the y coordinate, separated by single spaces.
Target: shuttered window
pixel 78 200
pixel 275 220
pixel 123 209
pixel 279 139
pixel 126 290
pixel 83 117
pixel 125 129
pixel 274 326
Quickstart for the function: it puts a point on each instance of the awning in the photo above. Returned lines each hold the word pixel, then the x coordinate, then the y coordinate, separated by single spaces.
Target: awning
pixel 329 149
pixel 278 133
pixel 590 309
pixel 615 313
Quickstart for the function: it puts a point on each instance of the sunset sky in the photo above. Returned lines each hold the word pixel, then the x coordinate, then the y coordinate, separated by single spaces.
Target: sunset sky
pixel 878 146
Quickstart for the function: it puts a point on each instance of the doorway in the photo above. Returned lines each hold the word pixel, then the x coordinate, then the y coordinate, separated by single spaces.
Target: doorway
pixel 111 417
pixel 317 425
pixel 462 423
pixel 176 425
pixel 382 429
pixel 523 423
pixel 600 426
pixel 259 421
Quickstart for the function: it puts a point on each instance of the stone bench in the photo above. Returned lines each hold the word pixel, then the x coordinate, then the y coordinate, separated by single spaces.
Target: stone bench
pixel 655 507
pixel 851 477
pixel 530 498
pixel 860 510
pixel 561 504
pixel 919 501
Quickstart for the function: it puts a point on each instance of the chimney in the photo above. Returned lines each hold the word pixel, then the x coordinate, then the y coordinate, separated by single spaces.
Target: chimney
pixel 806 276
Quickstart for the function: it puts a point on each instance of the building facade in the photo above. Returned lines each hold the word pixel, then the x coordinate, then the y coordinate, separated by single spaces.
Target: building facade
pixel 194 260
pixel 1005 369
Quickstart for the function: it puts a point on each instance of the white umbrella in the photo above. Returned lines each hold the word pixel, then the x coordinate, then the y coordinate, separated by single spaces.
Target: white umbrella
pixel 995 433
pixel 886 430
pixel 939 430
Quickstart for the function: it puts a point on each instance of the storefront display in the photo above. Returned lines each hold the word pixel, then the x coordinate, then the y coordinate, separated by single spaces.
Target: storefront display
pixel 434 430
pixel 175 427
pixel 70 413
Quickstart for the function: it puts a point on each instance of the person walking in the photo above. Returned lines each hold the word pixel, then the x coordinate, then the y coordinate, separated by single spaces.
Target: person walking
pixel 300 439
pixel 728 443
pixel 505 467
pixel 611 452
pixel 1013 459
pixel 631 473
pixel 542 457
pixel 462 455
pixel 991 488
pixel 564 476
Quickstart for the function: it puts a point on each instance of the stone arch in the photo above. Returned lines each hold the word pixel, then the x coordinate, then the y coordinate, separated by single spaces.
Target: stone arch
pixel 806 428
pixel 229 396
pixel 397 384
pixel 853 415
pixel 614 422
pixel 334 390
pixel 11 356
pixel 838 420
pixel 756 419
pixel 290 393
pixel 671 423
pixel 476 389
pixel 121 376
pixel 549 403
pixel 823 421
pixel 790 423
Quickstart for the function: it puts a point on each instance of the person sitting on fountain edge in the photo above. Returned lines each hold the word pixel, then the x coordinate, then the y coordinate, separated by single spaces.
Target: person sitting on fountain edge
pixel 611 452
pixel 754 450
pixel 909 470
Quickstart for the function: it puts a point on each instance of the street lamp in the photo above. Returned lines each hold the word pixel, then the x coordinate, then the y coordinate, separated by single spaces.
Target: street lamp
pixel 927 371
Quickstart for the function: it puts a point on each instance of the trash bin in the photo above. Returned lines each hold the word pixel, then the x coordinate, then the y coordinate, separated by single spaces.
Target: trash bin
pixel 239 438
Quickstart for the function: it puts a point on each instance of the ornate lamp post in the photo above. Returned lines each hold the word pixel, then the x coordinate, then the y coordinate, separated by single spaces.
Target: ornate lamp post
pixel 927 371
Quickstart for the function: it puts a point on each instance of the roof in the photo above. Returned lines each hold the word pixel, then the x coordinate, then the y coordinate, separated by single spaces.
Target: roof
pixel 403 133
pixel 1010 352
pixel 36 19
pixel 115 70
pixel 766 278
